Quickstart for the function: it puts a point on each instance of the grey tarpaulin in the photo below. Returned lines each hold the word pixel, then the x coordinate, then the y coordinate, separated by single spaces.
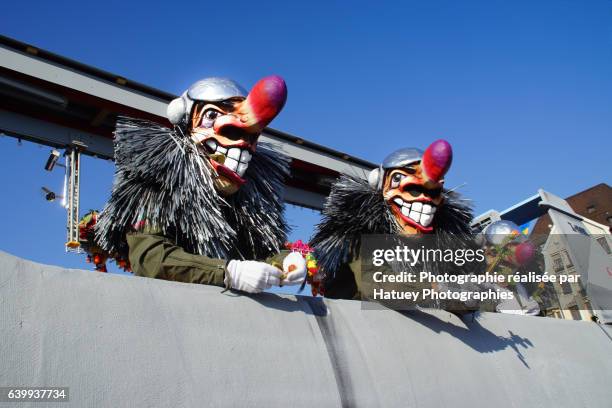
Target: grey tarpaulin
pixel 123 342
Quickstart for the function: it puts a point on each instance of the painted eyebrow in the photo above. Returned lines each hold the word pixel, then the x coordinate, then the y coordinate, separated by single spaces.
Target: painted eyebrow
pixel 410 170
pixel 225 105
pixel 216 106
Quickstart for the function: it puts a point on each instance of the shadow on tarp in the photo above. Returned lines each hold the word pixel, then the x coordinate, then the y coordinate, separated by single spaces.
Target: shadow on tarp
pixel 302 304
pixel 474 335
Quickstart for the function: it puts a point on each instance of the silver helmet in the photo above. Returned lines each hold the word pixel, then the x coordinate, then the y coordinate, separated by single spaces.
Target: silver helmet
pixel 398 159
pixel 212 89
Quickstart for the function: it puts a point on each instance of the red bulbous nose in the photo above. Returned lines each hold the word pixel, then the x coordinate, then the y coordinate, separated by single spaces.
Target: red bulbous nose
pixel 437 160
pixel 266 99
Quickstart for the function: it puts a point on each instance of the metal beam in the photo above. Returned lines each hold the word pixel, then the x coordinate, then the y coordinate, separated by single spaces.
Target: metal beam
pixel 304 198
pixel 307 154
pixel 51 134
pixel 64 76
pixel 61 75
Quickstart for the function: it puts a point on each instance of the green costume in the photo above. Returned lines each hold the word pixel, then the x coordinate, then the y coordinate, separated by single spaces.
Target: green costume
pixel 154 256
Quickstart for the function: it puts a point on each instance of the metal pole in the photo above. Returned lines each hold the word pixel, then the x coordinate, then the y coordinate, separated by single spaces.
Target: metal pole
pixel 73 167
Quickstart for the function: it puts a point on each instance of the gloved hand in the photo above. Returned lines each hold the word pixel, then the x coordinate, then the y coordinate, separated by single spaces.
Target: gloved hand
pixel 294 266
pixel 251 276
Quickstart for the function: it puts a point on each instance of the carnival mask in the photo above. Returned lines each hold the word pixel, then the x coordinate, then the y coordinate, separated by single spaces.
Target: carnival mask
pixel 412 185
pixel 225 122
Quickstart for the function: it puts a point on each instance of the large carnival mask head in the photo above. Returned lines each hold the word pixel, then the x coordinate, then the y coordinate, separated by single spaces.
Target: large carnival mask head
pixel 225 122
pixel 411 182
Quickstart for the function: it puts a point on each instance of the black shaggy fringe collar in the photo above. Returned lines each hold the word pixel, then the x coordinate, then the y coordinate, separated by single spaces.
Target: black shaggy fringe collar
pixel 163 178
pixel 354 209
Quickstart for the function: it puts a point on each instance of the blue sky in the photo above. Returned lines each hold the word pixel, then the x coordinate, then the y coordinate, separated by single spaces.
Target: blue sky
pixel 522 89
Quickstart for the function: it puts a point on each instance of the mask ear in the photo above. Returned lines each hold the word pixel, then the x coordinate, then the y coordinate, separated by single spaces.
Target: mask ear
pixel 375 178
pixel 176 110
pixel 179 109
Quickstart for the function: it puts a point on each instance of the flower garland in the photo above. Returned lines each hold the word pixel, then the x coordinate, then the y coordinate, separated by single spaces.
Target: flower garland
pixel 313 278
pixel 95 254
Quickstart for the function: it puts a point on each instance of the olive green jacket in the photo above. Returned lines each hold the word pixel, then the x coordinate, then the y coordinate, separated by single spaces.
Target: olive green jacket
pixel 155 256
pixel 346 282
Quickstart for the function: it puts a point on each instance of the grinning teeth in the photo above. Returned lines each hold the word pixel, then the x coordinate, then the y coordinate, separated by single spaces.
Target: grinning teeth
pixel 242 167
pixel 419 212
pixel 236 159
pixel 231 164
pixel 211 144
pixel 246 156
pixel 415 215
pixel 234 153
pixel 426 219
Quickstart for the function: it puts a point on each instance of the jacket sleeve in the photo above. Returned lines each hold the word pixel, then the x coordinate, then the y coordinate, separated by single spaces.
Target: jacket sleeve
pixel 154 256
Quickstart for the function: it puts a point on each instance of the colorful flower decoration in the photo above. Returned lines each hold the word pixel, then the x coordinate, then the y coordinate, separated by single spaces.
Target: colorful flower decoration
pixel 95 254
pixel 313 277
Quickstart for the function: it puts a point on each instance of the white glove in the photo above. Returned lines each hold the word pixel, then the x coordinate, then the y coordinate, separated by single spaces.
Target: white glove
pixel 251 276
pixel 298 269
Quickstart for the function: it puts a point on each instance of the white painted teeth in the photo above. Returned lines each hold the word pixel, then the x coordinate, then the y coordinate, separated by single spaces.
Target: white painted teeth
pixel 242 168
pixel 246 156
pixel 426 219
pixel 234 153
pixel 231 164
pixel 419 212
pixel 236 159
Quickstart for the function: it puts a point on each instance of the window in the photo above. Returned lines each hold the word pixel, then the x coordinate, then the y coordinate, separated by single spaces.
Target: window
pixel 557 264
pixel 604 244
pixel 591 209
pixel 567 288
pixel 568 260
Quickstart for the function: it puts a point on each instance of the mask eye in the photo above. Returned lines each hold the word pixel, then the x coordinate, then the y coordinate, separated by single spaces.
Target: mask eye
pixel 396 179
pixel 209 116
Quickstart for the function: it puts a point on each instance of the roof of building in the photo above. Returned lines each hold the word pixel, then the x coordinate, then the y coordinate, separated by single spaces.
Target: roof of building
pixel 594 203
